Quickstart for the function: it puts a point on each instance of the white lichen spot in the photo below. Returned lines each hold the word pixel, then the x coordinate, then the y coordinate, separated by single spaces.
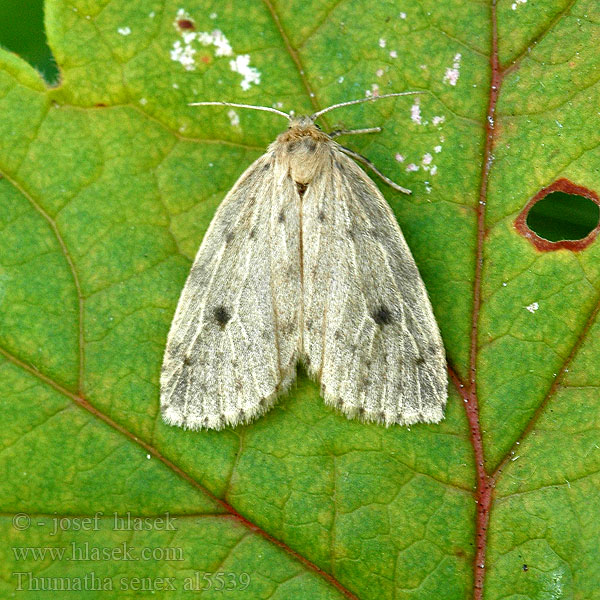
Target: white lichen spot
pixel 278 105
pixel 428 188
pixel 241 65
pixel 453 72
pixel 515 4
pixel 341 79
pixel 504 284
pixel 437 149
pixel 415 113
pixel 234 118
pixel 403 15
pixel 379 73
pixel 143 101
pixel 152 14
pixel 175 86
pixel 438 120
pixel 532 307
pixel 393 54
pixel 399 157
pixel 433 170
pixel 382 43
pixel 124 30
pixel 427 159
pixel 148 456
pixel 412 168
pixel 213 16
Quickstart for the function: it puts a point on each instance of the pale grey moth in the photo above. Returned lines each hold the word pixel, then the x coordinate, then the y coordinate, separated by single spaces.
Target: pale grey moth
pixel 303 261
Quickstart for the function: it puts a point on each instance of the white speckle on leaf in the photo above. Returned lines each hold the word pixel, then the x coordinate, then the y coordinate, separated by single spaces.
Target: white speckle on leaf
pixel 504 284
pixel 382 43
pixel 427 158
pixel 532 307
pixel 437 149
pixel 379 72
pixel 373 92
pixel 152 15
pixel 241 65
pixel 214 38
pixel 148 456
pixel 143 101
pixel 399 157
pixel 438 120
pixel 393 54
pixel 175 86
pixel 213 16
pixel 184 50
pixel 403 15
pixel 124 30
pixel 415 113
pixel 515 4
pixel 433 170
pixel 234 118
pixel 412 168
pixel 453 73
pixel 184 55
pixel 341 79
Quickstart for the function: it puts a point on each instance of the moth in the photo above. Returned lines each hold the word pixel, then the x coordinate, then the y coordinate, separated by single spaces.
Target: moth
pixel 303 261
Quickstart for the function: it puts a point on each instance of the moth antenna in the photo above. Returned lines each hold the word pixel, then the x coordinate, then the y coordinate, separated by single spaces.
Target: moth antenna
pixel 316 115
pixel 235 105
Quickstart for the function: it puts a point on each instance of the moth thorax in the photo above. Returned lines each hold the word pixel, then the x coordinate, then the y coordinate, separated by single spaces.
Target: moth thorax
pixel 303 151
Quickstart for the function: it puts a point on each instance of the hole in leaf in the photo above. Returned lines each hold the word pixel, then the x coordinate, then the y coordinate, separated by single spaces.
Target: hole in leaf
pixel 23 33
pixel 562 215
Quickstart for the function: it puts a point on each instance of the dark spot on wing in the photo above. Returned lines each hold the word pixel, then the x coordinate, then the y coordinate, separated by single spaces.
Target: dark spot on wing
pixel 381 315
pixel 252 233
pixel 187 360
pixel 339 165
pixel 229 237
pixel 292 146
pixel 309 324
pixel 221 315
pixel 361 411
pixel 321 216
pixel 281 217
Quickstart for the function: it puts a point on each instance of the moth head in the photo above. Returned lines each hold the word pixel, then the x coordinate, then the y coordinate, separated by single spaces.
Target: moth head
pixel 302 123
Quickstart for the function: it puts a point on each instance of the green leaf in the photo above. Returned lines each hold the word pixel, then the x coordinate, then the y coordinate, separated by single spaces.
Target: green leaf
pixel 109 182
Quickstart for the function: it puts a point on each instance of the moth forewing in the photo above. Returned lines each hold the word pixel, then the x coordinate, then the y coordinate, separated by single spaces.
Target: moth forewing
pixel 226 357
pixel 303 260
